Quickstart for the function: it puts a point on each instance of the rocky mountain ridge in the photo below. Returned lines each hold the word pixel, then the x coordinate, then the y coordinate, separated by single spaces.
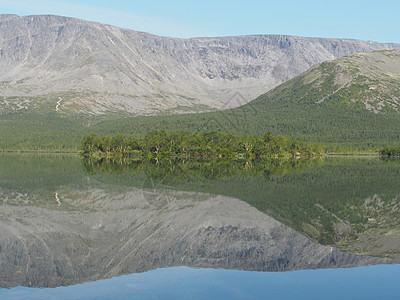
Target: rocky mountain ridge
pixel 96 68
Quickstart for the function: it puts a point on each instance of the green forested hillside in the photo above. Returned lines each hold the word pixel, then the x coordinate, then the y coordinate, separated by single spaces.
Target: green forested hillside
pixel 35 131
pixel 334 126
pixel 349 104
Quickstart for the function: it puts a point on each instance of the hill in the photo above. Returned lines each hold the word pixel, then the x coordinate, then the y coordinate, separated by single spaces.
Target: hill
pixel 362 81
pixel 349 103
pixel 70 66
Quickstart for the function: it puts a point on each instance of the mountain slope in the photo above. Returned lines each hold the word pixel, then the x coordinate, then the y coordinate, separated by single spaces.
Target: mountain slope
pixel 52 63
pixel 363 81
pixel 351 102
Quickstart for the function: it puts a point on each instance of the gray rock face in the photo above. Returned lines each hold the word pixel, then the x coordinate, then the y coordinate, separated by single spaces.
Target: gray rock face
pixel 96 234
pixel 97 68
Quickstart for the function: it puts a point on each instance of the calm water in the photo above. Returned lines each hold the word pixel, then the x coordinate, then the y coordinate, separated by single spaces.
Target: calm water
pixel 198 229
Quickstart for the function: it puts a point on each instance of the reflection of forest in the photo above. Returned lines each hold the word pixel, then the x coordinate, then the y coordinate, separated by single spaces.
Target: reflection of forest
pixel 173 169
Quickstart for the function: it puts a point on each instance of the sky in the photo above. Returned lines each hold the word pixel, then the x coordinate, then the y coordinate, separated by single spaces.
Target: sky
pixel 366 20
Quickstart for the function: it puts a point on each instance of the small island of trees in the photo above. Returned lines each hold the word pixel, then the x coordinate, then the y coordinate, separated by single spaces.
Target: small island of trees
pixel 202 144
pixel 390 152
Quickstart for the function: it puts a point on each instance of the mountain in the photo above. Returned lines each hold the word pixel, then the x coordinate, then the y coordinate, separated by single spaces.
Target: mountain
pixel 350 103
pixel 368 81
pixel 53 63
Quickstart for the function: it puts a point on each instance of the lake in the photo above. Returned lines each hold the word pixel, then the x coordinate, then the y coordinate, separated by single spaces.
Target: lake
pixel 75 228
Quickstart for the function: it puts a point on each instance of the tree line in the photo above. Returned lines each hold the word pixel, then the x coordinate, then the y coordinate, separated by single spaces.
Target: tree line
pixel 201 144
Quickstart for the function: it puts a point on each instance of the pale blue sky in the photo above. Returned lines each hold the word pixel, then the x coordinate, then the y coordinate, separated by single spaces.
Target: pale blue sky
pixel 367 20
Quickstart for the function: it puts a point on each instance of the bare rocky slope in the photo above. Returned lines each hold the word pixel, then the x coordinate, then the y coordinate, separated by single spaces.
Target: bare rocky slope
pixel 54 63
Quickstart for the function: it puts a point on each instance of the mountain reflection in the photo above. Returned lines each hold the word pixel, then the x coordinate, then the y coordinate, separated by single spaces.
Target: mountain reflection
pixel 63 225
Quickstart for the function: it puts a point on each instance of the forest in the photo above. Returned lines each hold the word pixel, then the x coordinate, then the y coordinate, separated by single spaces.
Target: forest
pixel 340 129
pixel 202 144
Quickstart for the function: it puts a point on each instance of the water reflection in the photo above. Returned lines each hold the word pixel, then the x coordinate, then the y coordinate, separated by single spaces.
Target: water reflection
pixel 350 203
pixel 63 224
